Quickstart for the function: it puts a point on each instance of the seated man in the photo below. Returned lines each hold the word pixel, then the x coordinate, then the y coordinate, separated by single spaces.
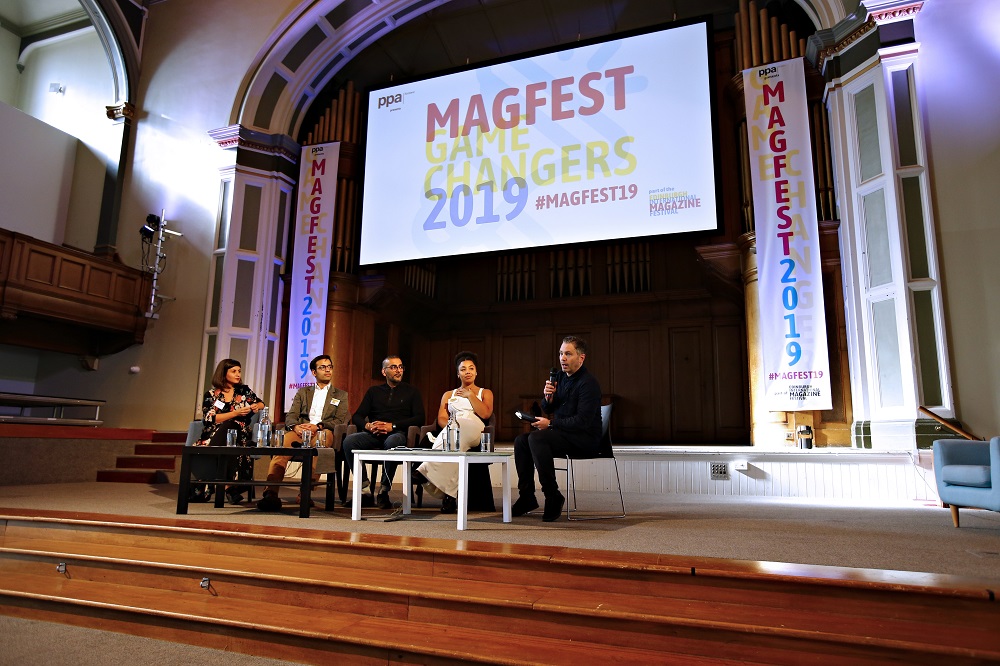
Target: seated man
pixel 383 418
pixel 314 409
pixel 574 401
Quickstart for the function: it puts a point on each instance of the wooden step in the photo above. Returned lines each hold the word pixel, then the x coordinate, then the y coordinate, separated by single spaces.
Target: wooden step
pixel 165 436
pixel 665 605
pixel 166 463
pixel 165 449
pixel 132 476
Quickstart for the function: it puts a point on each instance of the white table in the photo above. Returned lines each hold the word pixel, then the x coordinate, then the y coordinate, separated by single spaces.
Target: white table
pixel 463 458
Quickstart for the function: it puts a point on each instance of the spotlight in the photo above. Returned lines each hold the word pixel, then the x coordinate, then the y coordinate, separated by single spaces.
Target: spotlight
pixel 149 229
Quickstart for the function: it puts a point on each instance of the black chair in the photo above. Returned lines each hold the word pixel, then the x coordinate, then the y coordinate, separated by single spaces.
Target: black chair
pixel 604 452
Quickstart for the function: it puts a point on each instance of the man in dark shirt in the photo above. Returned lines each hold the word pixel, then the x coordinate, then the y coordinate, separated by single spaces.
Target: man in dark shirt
pixel 383 418
pixel 574 402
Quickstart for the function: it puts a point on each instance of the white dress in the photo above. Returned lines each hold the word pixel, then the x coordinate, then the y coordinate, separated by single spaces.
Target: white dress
pixel 443 477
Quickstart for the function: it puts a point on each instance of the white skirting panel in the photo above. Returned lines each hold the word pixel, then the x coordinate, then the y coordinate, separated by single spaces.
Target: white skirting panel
pixel 845 475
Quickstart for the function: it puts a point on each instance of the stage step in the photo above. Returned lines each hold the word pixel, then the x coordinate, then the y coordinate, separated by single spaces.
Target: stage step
pixel 177 437
pixel 371 596
pixel 132 475
pixel 159 449
pixel 167 463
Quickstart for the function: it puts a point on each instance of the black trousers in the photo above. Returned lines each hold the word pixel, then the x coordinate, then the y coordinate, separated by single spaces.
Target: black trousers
pixel 537 450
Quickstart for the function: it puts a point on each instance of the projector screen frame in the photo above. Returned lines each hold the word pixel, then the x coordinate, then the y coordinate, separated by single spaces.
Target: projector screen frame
pixel 713 104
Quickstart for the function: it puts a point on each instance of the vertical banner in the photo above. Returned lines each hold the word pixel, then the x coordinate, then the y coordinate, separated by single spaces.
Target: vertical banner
pixel 796 364
pixel 312 240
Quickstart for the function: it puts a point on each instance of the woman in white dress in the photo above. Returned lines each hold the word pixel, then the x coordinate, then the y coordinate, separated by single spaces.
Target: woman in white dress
pixel 471 407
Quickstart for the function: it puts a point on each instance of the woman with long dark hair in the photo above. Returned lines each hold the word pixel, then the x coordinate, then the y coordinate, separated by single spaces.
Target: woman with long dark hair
pixel 230 405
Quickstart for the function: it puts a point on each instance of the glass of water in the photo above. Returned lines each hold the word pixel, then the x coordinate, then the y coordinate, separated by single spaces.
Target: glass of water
pixel 278 439
pixel 306 439
pixel 486 442
pixel 320 438
pixel 232 437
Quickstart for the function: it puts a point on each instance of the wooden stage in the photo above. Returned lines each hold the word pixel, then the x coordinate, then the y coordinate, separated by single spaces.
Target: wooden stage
pixel 325 597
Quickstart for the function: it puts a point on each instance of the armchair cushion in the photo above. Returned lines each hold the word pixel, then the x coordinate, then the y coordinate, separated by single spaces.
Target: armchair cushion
pixel 976 476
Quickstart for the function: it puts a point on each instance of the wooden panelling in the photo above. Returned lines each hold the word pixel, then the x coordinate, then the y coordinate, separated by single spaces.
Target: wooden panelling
pixel 636 382
pixel 520 375
pixel 63 299
pixel 686 380
pixel 100 283
pixel 39 266
pixel 732 404
pixel 72 275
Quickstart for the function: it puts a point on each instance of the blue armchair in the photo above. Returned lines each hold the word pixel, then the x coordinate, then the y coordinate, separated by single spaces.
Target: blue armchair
pixel 968 474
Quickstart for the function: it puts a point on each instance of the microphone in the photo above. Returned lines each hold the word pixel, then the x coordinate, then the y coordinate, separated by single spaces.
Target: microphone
pixel 553 373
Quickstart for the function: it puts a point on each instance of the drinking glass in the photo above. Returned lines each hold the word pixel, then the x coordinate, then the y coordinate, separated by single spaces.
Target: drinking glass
pixel 306 439
pixel 486 442
pixel 321 439
pixel 232 437
pixel 278 439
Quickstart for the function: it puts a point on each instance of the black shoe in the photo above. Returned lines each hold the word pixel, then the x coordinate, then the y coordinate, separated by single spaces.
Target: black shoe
pixel 367 501
pixel 449 504
pixel 553 507
pixel 383 501
pixel 269 502
pixel 234 497
pixel 523 505
pixel 200 494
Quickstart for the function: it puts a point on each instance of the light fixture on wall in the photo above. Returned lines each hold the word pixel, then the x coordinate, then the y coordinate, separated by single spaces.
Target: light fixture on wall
pixel 154 233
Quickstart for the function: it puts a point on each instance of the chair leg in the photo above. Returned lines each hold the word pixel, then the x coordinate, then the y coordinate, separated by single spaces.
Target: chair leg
pixel 572 486
pixel 954 514
pixel 571 489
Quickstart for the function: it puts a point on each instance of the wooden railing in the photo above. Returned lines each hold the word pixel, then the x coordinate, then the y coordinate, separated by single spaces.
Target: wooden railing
pixel 55 408
pixel 950 426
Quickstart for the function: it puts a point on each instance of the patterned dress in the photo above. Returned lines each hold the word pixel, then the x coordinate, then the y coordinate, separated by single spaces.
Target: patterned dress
pixel 215 403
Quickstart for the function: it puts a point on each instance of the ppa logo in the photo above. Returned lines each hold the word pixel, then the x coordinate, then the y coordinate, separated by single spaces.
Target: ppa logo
pixel 389 100
pixel 767 72
pixel 316 150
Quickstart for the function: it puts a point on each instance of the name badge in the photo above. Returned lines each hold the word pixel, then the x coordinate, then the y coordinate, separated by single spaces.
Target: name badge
pixel 219 404
pixel 335 402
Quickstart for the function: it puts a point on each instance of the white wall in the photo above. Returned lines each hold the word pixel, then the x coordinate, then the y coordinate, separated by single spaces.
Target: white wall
pixel 37 165
pixel 195 55
pixel 958 78
pixel 9 43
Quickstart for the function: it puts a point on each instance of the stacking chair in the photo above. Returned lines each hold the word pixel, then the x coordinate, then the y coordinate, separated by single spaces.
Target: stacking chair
pixel 604 452
pixel 194 432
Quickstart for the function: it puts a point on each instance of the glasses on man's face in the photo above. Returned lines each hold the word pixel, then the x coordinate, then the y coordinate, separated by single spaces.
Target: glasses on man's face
pixel 324 367
pixel 394 367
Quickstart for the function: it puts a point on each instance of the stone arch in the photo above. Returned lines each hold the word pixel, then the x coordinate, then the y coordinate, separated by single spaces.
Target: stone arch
pixel 314 42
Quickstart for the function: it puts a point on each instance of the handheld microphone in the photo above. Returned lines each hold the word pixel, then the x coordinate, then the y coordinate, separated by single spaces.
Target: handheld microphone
pixel 553 373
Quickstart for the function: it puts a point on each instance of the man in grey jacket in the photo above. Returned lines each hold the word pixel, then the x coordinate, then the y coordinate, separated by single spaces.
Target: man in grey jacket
pixel 315 409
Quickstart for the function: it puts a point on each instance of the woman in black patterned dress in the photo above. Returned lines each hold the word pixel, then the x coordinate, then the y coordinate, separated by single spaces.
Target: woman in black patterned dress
pixel 230 405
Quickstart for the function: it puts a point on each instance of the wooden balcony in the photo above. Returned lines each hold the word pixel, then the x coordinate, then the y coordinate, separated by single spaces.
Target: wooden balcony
pixel 61 299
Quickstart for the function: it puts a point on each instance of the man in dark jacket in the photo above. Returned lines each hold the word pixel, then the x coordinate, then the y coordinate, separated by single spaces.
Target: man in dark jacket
pixel 383 418
pixel 574 426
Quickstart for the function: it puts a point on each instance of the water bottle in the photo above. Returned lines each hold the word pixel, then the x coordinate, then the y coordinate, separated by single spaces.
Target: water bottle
pixel 264 429
pixel 451 434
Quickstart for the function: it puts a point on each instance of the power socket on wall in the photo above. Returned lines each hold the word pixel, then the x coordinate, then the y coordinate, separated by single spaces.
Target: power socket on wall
pixel 719 471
